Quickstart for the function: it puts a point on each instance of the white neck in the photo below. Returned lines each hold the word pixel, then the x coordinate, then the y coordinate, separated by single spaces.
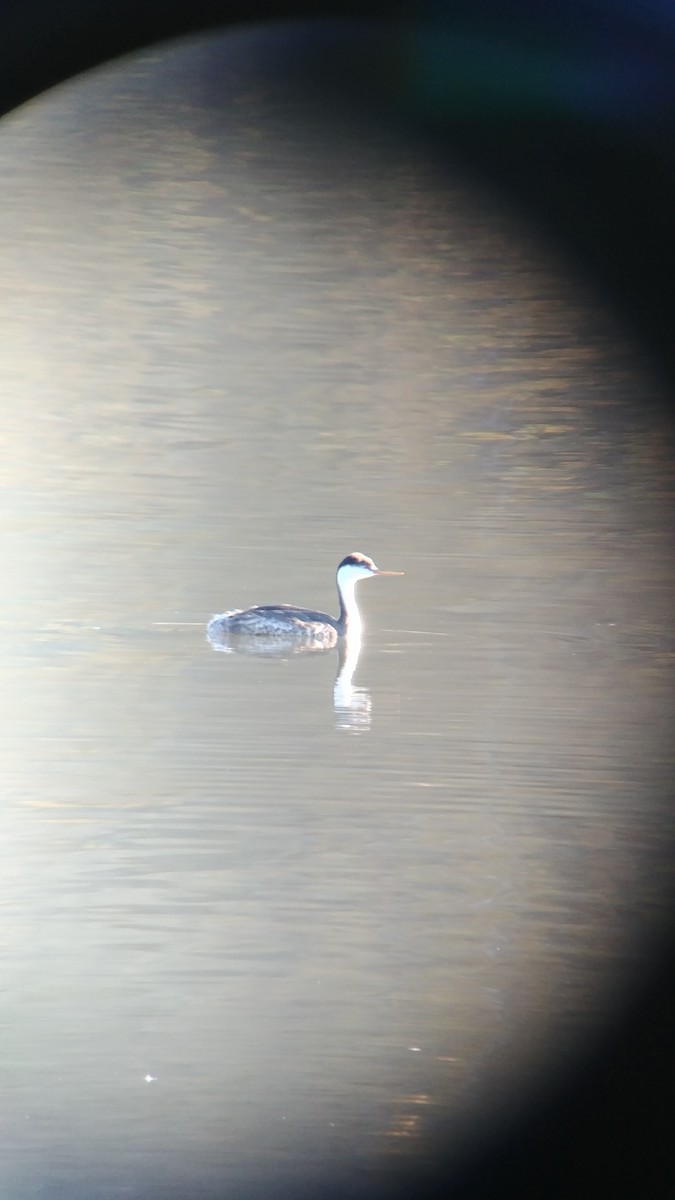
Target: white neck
pixel 347 580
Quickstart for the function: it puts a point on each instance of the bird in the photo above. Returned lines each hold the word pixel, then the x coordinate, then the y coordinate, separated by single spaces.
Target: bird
pixel 287 621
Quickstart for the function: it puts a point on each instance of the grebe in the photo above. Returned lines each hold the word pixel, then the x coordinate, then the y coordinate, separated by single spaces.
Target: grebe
pixel 284 620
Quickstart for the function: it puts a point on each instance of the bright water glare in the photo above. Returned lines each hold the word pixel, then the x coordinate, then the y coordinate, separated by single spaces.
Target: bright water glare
pixel 261 926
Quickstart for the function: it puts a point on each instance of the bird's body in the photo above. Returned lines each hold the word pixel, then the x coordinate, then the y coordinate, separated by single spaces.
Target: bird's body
pixel 268 620
pixel 285 620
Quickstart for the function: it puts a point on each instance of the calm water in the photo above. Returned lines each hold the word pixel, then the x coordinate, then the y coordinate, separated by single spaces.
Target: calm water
pixel 259 930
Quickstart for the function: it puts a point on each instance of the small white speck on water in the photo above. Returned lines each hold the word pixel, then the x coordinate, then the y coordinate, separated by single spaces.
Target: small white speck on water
pixel 150 1078
pixel 415 1049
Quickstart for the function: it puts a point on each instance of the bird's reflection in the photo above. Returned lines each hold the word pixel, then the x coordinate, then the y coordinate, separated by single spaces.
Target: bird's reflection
pixel 351 704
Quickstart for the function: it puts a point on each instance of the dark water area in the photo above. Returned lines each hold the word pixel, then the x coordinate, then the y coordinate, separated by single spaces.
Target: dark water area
pixel 262 928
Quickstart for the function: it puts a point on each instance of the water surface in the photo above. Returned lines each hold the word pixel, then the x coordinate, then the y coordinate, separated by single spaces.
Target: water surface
pixel 257 932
